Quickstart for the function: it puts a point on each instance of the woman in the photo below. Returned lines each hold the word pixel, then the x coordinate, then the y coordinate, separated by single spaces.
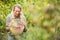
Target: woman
pixel 17 16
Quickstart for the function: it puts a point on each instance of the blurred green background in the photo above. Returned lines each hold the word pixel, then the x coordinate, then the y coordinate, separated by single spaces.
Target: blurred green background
pixel 42 16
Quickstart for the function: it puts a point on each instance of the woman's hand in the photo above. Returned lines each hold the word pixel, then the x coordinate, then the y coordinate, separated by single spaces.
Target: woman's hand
pixel 7 29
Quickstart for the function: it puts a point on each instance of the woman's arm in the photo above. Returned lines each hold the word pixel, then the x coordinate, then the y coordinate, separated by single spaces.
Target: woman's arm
pixel 7 23
pixel 24 23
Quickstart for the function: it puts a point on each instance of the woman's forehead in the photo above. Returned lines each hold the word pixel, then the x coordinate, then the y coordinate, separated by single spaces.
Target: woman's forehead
pixel 17 7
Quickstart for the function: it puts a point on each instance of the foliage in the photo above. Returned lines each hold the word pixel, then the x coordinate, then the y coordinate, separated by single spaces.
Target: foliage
pixel 42 17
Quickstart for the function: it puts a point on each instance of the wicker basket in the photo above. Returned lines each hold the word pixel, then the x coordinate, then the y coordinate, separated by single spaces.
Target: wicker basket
pixel 16 29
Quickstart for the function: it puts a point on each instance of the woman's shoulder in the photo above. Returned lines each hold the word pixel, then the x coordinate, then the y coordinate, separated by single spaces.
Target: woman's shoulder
pixel 9 16
pixel 23 16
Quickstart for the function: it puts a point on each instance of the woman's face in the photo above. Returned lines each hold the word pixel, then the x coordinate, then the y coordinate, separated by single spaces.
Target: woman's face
pixel 17 12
